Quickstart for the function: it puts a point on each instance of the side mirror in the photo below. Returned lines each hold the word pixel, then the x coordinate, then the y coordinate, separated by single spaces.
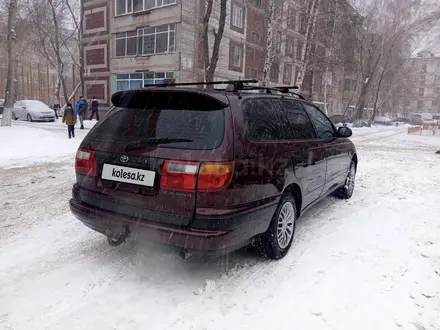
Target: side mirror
pixel 345 132
pixel 23 107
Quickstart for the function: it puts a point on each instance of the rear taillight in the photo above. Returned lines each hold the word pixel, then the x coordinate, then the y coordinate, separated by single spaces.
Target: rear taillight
pixel 214 176
pixel 179 176
pixel 186 176
pixel 85 162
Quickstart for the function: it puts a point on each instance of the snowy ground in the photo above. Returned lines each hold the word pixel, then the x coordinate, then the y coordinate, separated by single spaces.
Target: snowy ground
pixel 372 262
pixel 45 142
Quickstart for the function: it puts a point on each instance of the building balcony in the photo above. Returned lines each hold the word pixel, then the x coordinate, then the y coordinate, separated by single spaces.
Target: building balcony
pixel 153 17
pixel 157 62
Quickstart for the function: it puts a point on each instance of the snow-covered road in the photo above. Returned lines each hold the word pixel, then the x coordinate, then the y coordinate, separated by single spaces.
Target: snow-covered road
pixel 372 262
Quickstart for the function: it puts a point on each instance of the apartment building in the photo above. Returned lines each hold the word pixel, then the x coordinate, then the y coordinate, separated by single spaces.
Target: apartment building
pixel 129 43
pixel 425 76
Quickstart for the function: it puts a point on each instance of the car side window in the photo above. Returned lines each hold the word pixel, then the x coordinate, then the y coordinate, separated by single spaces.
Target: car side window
pixel 300 123
pixel 323 126
pixel 265 122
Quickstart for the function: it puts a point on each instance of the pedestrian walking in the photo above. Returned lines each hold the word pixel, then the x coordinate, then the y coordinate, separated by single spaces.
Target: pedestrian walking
pixel 81 109
pixel 69 118
pixel 56 108
pixel 95 106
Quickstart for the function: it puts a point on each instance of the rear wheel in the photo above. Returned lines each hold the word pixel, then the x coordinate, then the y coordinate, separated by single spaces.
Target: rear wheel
pixel 346 191
pixel 116 241
pixel 14 116
pixel 276 242
pixel 29 118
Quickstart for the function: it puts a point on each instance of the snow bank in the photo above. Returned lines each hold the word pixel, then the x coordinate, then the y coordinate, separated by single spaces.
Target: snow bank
pixel 21 146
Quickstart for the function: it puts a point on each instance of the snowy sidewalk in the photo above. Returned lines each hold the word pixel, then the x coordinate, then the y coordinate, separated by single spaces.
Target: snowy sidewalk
pixel 372 262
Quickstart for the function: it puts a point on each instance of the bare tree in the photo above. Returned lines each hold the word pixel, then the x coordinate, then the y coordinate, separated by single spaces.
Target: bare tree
pixel 210 60
pixel 52 36
pixel 269 52
pixel 78 60
pixel 12 65
pixel 310 16
pixel 386 27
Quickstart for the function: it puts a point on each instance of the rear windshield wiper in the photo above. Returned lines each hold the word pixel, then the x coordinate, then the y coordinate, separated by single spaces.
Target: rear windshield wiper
pixel 153 142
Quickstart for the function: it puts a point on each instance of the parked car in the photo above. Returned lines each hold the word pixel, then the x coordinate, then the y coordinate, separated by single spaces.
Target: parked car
pixel 33 110
pixel 209 171
pixel 381 120
pixel 339 119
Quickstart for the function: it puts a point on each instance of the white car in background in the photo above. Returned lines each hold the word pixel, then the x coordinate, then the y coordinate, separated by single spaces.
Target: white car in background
pixel 32 110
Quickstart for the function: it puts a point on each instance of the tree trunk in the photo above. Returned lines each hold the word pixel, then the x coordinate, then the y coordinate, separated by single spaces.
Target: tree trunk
pixel 209 74
pixel 306 47
pixel 327 65
pixel 269 45
pixel 78 26
pixel 57 50
pixel 12 64
pixel 210 62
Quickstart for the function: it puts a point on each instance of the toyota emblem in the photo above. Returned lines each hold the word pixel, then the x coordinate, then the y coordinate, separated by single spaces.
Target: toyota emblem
pixel 123 159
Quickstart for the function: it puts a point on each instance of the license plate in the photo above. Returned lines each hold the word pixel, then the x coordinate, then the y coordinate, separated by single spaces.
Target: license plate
pixel 128 175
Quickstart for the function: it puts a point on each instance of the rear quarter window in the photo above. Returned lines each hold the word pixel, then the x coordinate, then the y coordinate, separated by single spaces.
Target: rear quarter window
pixel 205 128
pixel 264 121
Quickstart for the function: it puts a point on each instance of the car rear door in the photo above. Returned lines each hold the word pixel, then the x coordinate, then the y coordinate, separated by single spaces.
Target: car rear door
pixel 307 151
pixel 337 151
pixel 141 172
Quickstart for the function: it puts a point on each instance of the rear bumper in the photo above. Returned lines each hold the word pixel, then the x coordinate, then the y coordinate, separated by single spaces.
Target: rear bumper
pixel 208 235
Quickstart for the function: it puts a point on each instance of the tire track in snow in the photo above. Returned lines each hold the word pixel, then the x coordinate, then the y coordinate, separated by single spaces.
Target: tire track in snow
pixel 31 194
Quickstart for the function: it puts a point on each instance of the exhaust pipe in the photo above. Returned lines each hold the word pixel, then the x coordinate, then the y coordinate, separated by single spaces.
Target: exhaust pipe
pixel 185 254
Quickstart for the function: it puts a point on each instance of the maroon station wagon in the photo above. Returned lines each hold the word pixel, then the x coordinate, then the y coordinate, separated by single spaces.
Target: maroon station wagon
pixel 210 171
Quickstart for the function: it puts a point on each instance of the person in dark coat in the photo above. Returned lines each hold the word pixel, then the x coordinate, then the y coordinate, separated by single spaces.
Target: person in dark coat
pixel 94 107
pixel 56 108
pixel 81 109
pixel 69 118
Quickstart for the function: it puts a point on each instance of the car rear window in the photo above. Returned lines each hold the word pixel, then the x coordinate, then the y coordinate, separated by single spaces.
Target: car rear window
pixel 204 128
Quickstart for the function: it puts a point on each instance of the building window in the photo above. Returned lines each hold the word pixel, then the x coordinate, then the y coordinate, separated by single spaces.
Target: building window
pixel 256 37
pixel 419 104
pixel 289 46
pixel 138 80
pixel 126 43
pixel 287 77
pixel 146 41
pixel 424 68
pixel 278 37
pixel 237 16
pixel 291 19
pixel 258 3
pixel 421 92
pixel 132 6
pixel 236 56
pixel 302 23
pixel 434 103
pixel 278 10
pixel 299 48
pixel 274 72
pixel 254 73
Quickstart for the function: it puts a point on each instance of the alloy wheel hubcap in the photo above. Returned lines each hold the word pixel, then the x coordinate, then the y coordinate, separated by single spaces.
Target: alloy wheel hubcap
pixel 286 222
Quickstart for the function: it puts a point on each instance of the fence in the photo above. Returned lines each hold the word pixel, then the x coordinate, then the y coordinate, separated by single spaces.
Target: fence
pixel 424 130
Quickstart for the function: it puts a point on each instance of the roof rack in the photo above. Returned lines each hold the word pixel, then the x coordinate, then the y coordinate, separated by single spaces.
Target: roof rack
pixel 287 89
pixel 235 86
pixel 232 85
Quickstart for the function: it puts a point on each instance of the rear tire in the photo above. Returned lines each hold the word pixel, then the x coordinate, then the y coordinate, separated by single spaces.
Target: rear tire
pixel 115 241
pixel 14 117
pixel 29 118
pixel 346 191
pixel 276 241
